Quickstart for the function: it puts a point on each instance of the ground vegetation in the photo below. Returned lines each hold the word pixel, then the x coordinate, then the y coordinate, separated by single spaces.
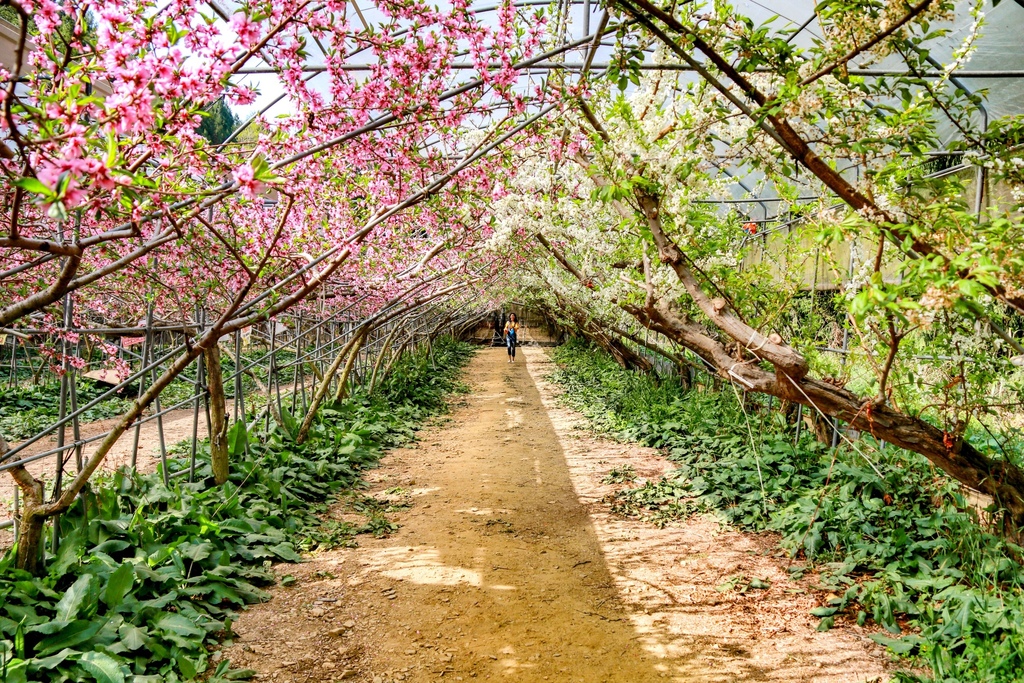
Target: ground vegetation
pixel 897 543
pixel 148 577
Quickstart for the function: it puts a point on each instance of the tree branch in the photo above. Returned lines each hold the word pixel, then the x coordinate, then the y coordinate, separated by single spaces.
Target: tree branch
pixel 915 10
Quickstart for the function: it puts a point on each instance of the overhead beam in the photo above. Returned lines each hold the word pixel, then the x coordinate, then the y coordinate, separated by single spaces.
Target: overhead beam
pixel 580 66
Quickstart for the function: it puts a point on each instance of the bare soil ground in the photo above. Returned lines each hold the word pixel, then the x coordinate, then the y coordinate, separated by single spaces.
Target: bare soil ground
pixel 508 566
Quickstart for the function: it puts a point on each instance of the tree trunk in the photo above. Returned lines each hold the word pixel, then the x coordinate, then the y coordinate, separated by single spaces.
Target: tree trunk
pixel 385 347
pixel 218 415
pixel 322 389
pixel 818 426
pixel 1000 479
pixel 394 359
pixel 30 536
pixel 624 355
pixel 593 331
pixel 350 363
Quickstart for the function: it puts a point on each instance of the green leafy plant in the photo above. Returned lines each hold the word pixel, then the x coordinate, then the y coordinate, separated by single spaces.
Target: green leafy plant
pixel 148 577
pixel 25 410
pixel 620 475
pixel 895 540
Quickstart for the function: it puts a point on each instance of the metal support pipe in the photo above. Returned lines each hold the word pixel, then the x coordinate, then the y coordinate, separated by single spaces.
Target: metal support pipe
pixel 156 403
pixel 298 366
pixel 239 397
pixel 197 391
pixel 271 370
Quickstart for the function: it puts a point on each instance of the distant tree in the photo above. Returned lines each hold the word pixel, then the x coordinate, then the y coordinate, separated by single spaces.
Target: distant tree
pixel 219 122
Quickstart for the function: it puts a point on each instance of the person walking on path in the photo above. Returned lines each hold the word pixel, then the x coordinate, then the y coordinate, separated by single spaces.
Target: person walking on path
pixel 511 334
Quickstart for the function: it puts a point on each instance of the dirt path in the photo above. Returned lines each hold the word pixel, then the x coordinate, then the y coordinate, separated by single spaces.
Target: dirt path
pixel 507 566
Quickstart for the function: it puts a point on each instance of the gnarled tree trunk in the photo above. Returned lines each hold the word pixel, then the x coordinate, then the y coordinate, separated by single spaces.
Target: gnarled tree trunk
pixel 385 347
pixel 218 415
pixel 1000 479
pixel 324 387
pixel 350 363
pixel 741 362
pixel 30 536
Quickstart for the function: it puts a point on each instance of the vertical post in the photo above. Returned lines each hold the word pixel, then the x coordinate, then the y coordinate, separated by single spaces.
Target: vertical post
pixel 238 376
pixel 62 412
pixel 76 427
pixel 271 368
pixel 156 402
pixel 239 398
pixel 330 347
pixel 206 394
pixel 297 363
pixel 345 332
pixel 142 388
pixel 799 423
pixel 277 384
pixel 846 342
pixel 363 358
pixel 316 362
pixel 31 368
pixel 197 391
pixel 14 361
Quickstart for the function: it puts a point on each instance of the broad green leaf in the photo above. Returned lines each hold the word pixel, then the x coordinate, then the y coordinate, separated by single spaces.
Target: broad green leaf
pixel 71 549
pixel 186 666
pixel 197 552
pixel 290 423
pixel 286 552
pixel 901 646
pixel 132 636
pixel 236 439
pixel 17 671
pixel 102 667
pixel 73 634
pixel 162 601
pixel 120 582
pixel 111 149
pixel 52 660
pixel 111 546
pixel 19 639
pixel 57 211
pixel 177 624
pixel 75 598
pixel 33 185
pixel 48 628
